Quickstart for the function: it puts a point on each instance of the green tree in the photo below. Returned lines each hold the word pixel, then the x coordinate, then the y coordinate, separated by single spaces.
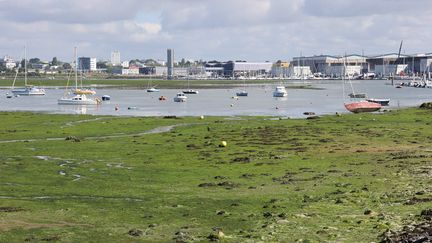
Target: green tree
pixel 34 60
pixel 67 66
pixel 54 61
pixel 101 65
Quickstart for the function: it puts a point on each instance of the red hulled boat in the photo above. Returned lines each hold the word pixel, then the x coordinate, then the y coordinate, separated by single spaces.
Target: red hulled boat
pixel 362 106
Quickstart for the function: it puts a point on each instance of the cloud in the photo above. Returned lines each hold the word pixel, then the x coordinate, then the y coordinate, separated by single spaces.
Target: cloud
pixel 207 29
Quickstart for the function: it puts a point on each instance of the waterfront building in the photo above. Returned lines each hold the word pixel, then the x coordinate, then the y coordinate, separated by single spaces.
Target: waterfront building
pixel 8 62
pixel 170 63
pixel 245 69
pixel 333 66
pixel 281 69
pixel 115 58
pixel 87 64
pixel 131 71
pixel 156 71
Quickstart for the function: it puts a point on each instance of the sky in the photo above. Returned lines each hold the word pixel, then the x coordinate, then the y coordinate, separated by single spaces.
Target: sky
pixel 252 30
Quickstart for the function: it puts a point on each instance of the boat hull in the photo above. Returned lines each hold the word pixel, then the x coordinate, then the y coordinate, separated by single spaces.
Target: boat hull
pixel 178 99
pixel 28 91
pixel 242 94
pixel 190 92
pixel 362 106
pixel 78 100
pixel 75 102
pixel 383 102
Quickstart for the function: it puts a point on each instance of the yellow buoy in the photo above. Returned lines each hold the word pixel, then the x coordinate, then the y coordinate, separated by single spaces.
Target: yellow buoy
pixel 223 144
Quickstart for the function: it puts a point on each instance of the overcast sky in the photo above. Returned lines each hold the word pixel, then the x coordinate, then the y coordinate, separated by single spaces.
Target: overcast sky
pixel 253 30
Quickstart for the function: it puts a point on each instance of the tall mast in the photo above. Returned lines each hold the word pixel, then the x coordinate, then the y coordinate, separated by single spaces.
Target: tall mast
pixel 76 68
pixel 25 65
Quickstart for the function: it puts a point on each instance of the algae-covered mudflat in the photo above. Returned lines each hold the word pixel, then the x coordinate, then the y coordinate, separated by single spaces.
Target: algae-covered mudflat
pixel 343 178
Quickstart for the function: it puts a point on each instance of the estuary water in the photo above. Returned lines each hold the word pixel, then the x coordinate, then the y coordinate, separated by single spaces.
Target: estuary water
pixel 327 98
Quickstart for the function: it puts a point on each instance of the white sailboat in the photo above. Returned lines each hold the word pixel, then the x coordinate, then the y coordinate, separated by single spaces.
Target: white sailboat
pixel 151 88
pixel 189 90
pixel 77 99
pixel 27 90
pixel 243 92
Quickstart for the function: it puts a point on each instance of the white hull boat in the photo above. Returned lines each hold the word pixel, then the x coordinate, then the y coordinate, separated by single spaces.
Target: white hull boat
pixel 280 91
pixel 180 97
pixel 78 100
pixel 29 90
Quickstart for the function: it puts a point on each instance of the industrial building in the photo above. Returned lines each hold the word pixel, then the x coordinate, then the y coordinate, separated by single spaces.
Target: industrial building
pixel 333 66
pixel 394 64
pixel 87 64
pixel 247 69
pixel 356 65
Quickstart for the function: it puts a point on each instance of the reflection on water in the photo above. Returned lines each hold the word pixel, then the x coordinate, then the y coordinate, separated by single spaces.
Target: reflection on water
pixel 75 109
pixel 328 99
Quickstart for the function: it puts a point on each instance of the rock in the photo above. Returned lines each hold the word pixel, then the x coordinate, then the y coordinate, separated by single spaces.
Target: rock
pixel 367 212
pixel 216 235
pixel 10 209
pixel 182 237
pixel 309 113
pixel 135 232
pixel 339 201
pixel 73 139
pixel 427 105
pixel 282 221
pixel 207 184
pixel 427 213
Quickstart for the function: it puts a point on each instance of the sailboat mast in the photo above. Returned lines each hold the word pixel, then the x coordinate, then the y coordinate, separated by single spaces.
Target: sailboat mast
pixel 76 68
pixel 25 65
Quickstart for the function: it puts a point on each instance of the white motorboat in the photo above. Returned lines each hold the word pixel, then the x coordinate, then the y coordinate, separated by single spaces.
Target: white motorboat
pixel 180 97
pixel 152 89
pixel 78 98
pixel 280 91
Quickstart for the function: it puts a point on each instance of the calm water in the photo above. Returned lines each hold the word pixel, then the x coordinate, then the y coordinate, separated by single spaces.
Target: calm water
pixel 215 102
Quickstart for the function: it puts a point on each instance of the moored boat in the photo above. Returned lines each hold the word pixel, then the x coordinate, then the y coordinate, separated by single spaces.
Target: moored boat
pixel 152 89
pixel 180 97
pixel 383 102
pixel 28 91
pixel 362 106
pixel 242 93
pixel 79 99
pixel 280 91
pixel 190 91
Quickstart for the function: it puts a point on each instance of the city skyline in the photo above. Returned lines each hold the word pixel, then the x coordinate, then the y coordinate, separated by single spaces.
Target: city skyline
pixel 253 30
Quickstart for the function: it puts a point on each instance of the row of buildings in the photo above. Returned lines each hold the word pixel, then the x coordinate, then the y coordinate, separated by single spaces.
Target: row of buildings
pixel 300 67
pixel 382 65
